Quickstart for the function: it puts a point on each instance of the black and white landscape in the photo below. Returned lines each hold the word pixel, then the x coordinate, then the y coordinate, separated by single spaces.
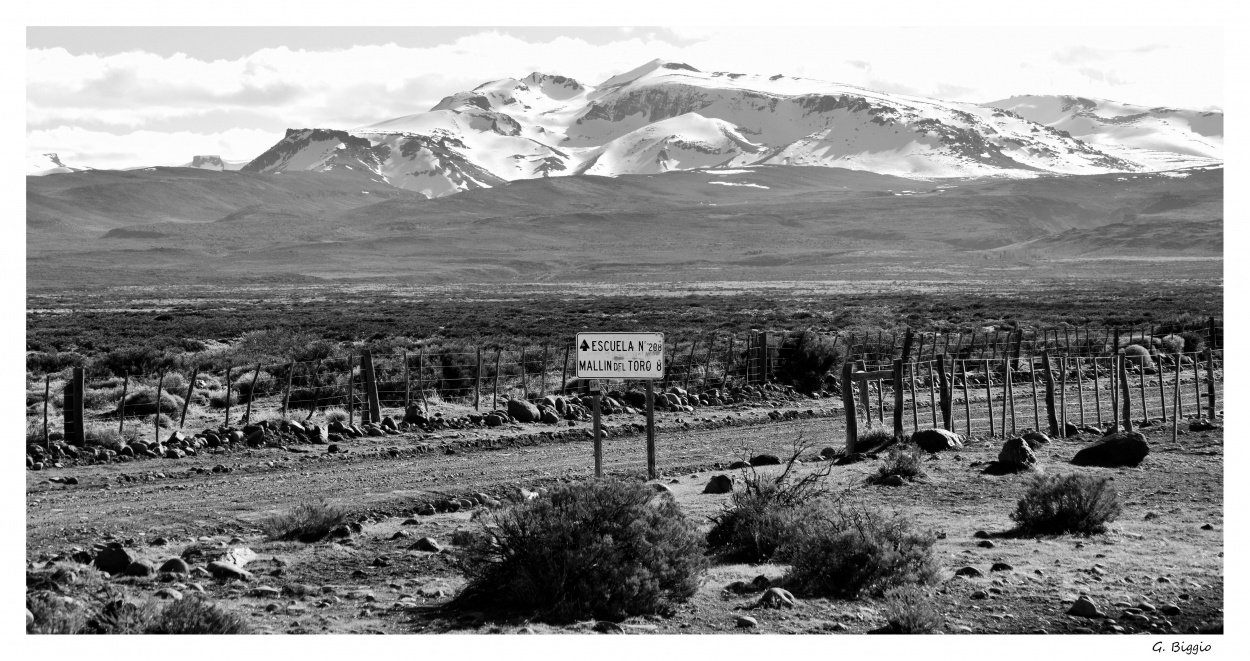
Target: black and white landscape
pixel 932 363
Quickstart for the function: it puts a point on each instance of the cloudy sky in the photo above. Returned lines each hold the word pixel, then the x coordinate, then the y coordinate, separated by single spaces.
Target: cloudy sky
pixel 110 97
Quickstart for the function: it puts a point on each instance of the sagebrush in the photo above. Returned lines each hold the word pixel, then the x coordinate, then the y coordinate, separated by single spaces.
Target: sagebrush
pixel 905 462
pixel 909 610
pixel 605 549
pixel 1070 503
pixel 306 522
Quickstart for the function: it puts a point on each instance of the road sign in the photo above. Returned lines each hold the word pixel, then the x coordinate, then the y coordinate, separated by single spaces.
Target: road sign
pixel 620 355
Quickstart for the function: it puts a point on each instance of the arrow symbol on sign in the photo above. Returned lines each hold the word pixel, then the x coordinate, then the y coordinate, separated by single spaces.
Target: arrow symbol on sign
pixel 585 346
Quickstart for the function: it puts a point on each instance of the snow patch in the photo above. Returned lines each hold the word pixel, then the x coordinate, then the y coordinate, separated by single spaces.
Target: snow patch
pixel 734 183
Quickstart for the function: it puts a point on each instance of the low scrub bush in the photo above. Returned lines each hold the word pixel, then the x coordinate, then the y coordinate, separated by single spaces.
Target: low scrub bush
pixel 906 463
pixel 39 362
pixel 306 522
pixel 909 610
pixel 54 615
pixel 1172 344
pixel 101 398
pixel 760 518
pixel 336 413
pixel 809 357
pixel 604 549
pixel 1194 342
pixel 143 402
pixel 844 550
pixel 217 399
pixel 1138 355
pixel 873 438
pixel 195 615
pixel 1071 503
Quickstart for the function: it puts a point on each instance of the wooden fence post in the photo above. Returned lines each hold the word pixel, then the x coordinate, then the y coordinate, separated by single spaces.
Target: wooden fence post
pixel 707 362
pixel 1063 396
pixel 690 363
pixel 542 384
pixel 1197 388
pixel 963 372
pixel 498 353
pixel 425 403
pixel 156 417
pixel 351 392
pixel 863 395
pixel 1141 388
pixel 195 372
pixel 316 371
pixel 47 392
pixel 251 395
pixel 1113 384
pixel 1011 395
pixel 848 402
pixel 898 397
pixel 1163 402
pixel 525 390
pixel 933 405
pixel 945 399
pixel 1037 421
pixel 1211 331
pixel 1080 381
pixel 989 394
pixel 564 373
pixel 915 418
pixel 1006 387
pixel 765 359
pixel 408 382
pixel 1176 396
pixel 228 387
pixel 74 407
pixel 1050 395
pixel 286 394
pixel 907 338
pixel 121 404
pixel 1126 395
pixel 1211 376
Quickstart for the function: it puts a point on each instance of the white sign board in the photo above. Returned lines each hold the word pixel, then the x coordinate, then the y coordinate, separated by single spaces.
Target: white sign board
pixel 620 355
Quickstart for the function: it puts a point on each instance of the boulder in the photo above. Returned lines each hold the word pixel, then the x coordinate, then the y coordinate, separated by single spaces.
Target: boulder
pixel 776 598
pixel 936 440
pixel 427 544
pixel 1084 607
pixel 1203 425
pixel 1036 439
pixel 316 434
pixel 719 484
pixel 140 568
pixel 413 415
pixel 765 460
pixel 549 416
pixel 1070 429
pixel 523 411
pixel 113 559
pixel 1017 455
pixel 175 566
pixel 226 571
pixel 1119 449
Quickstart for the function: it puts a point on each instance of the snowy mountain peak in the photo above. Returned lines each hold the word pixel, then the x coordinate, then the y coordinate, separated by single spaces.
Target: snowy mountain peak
pixel 664 116
pixel 214 162
pixel 38 165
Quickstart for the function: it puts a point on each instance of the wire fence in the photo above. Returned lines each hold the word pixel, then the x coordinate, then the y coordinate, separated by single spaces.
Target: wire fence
pixel 482 378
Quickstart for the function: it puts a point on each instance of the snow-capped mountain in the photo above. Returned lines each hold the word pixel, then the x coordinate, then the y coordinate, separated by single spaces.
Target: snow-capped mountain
pixel 38 165
pixel 213 162
pixel 1158 138
pixel 671 116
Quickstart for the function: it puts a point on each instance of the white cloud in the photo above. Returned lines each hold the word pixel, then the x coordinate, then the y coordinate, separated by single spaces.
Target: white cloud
pixel 98 149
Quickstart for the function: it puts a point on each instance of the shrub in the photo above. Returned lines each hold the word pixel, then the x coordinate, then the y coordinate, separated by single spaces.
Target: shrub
pixel 845 550
pixel 107 436
pixel 605 549
pixel 1194 342
pixel 809 357
pixel 1138 355
pixel 336 413
pixel 143 402
pixel 761 517
pixel 246 389
pixel 1172 344
pixel 903 462
pixel 101 398
pixel 54 615
pixel 132 360
pixel 217 399
pixel 908 610
pixel 306 522
pixel 873 438
pixel 1071 503
pixel 197 616
pixel 39 362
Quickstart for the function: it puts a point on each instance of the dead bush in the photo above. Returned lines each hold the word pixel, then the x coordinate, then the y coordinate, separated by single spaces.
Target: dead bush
pixel 1071 503
pixel 909 610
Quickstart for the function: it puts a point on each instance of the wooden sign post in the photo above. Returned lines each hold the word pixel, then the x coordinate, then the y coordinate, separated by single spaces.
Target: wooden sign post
pixel 637 356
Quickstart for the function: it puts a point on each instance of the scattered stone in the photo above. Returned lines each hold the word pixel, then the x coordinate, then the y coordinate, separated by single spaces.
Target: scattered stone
pixel 426 510
pixel 1084 607
pixel 1001 566
pixel 986 544
pixel 140 568
pixel 1203 425
pixel 969 571
pixel 765 460
pixel 981 534
pixel 226 571
pixel 747 622
pixel 1119 449
pixel 1170 609
pixel 980 594
pixel 401 534
pixel 719 484
pixel 603 626
pixel 936 440
pixel 739 464
pixel 776 598
pixel 427 544
pixel 1016 454
pixel 265 592
pixel 523 411
pixel 1036 439
pixel 113 559
pixel 893 481
pixel 1207 526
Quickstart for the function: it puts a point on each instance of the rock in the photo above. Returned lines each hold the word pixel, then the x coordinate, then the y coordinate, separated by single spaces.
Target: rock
pixel 980 594
pixel 1070 429
pixel 1119 449
pixel 226 571
pixel 936 440
pixel 1207 526
pixel 969 571
pixel 30 617
pixel 1016 454
pixel 1001 566
pixel 426 510
pixel 113 559
pixel 175 566
pixel 239 556
pixel 169 593
pixel 776 598
pixel 981 534
pixel 986 544
pixel 174 453
pixel 719 484
pixel 829 453
pixel 893 481
pixel 765 460
pixel 1083 607
pixel 493 420
pixel 265 592
pixel 1170 609
pixel 427 544
pixel 746 622
pixel 1203 425
pixel 333 448
pixel 739 464
pixel 603 626
pixel 523 411
pixel 140 568
pixel 414 416
pixel 549 417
